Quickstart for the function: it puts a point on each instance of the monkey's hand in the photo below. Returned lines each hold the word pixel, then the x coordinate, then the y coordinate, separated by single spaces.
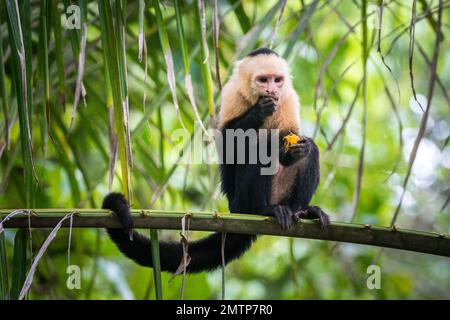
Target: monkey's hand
pixel 264 107
pixel 296 152
pixel 254 118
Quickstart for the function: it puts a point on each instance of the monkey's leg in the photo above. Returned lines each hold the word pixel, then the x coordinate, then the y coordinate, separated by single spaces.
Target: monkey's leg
pixel 284 215
pixel 313 212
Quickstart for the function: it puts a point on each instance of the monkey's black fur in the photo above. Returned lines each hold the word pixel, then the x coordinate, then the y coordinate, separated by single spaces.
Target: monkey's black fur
pixel 263 50
pixel 205 253
pixel 247 191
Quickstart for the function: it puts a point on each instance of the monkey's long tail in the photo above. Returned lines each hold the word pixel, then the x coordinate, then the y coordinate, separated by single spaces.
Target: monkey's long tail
pixel 205 253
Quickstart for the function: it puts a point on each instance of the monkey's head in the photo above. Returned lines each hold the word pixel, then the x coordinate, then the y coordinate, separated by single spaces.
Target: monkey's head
pixel 263 73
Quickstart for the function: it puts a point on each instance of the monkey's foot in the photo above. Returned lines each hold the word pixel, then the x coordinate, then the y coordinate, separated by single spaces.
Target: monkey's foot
pixel 314 212
pixel 283 214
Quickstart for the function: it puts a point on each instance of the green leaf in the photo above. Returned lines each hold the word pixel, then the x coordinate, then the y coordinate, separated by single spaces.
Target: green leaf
pixel 244 20
pixel 22 77
pixel 4 96
pixel 303 22
pixel 59 54
pixel 112 49
pixel 4 283
pixel 20 262
pixel 43 40
pixel 164 40
pixel 206 72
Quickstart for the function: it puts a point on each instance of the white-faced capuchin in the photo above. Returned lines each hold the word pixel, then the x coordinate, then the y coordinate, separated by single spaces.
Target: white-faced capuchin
pixel 259 95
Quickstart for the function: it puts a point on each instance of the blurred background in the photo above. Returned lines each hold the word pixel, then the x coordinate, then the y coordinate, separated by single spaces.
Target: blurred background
pixel 90 104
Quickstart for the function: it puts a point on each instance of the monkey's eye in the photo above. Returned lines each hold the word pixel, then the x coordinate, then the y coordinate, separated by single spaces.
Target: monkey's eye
pixel 278 79
pixel 262 79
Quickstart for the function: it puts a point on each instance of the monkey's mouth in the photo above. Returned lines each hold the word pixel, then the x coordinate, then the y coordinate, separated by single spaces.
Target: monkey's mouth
pixel 272 96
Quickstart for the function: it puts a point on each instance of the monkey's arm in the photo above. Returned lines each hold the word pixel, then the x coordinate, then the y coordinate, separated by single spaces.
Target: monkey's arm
pixel 252 119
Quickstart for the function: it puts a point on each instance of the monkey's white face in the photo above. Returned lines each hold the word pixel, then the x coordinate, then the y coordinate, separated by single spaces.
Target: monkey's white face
pixel 267 84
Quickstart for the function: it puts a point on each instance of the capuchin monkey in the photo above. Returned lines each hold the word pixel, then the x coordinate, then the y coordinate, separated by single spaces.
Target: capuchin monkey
pixel 259 95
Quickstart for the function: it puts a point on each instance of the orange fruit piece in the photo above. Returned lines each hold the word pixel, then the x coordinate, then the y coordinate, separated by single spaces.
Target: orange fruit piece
pixel 290 140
